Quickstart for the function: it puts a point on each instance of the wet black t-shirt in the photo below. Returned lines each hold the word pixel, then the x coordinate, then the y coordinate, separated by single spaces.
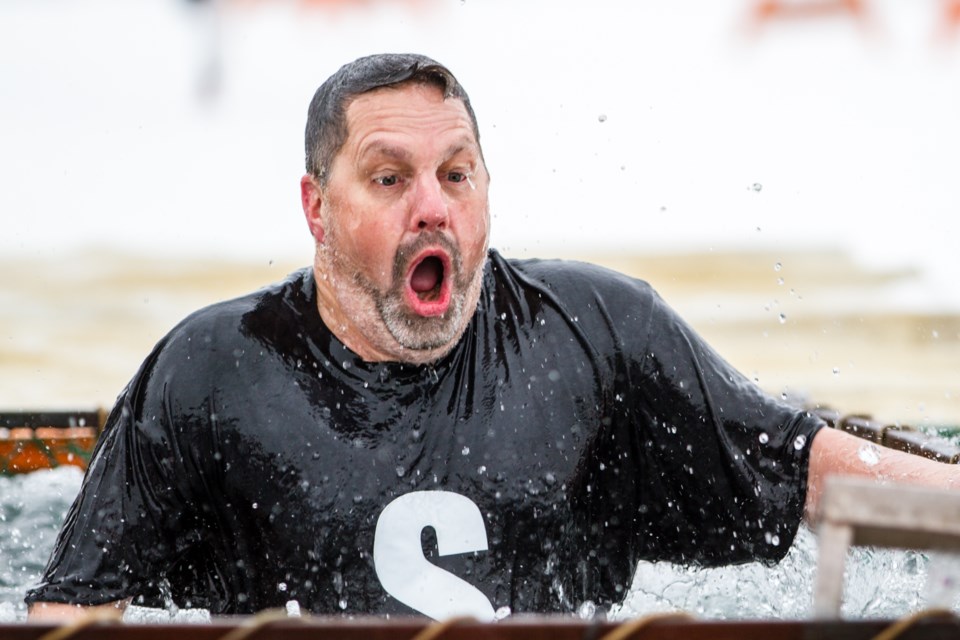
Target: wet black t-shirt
pixel 577 427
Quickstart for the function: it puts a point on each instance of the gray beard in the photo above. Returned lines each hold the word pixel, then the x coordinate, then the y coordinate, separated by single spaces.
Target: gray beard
pixel 411 330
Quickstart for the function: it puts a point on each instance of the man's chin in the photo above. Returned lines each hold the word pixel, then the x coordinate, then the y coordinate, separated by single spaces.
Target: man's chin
pixel 425 335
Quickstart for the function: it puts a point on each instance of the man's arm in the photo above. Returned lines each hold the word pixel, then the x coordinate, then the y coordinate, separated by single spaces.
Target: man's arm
pixel 835 452
pixel 57 612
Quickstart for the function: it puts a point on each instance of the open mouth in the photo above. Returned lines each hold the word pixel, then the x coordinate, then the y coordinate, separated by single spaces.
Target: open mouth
pixel 428 284
pixel 426 279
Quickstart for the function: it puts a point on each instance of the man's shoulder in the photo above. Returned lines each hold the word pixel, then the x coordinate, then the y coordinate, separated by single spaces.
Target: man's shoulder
pixel 573 277
pixel 242 315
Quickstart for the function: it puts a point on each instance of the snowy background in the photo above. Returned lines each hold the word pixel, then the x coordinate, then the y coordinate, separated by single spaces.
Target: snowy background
pixel 172 128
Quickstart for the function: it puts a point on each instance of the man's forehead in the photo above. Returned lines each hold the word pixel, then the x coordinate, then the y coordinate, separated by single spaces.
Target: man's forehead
pixel 408 107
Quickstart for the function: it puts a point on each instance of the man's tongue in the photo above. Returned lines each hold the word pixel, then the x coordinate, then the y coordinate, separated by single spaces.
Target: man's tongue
pixel 426 275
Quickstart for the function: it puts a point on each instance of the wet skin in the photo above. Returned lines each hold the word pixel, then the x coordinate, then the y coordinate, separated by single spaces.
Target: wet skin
pixel 401 227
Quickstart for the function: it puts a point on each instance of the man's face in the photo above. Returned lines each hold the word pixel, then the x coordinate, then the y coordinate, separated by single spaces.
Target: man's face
pixel 405 221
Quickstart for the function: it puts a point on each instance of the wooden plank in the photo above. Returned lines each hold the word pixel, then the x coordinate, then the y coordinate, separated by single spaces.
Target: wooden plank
pixel 23 450
pixel 921 444
pixel 865 503
pixel 856 511
pixel 63 419
pixel 864 427
pixel 33 440
pixel 535 628
pixel 834 540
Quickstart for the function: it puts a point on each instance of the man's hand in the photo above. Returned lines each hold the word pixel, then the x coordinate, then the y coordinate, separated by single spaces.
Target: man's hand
pixel 56 612
pixel 835 452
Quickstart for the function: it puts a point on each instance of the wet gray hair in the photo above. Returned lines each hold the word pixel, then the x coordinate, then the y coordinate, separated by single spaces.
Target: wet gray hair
pixel 326 129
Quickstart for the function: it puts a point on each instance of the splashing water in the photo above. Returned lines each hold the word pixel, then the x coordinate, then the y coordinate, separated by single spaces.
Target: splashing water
pixel 878 584
pixel 32 506
pixel 869 454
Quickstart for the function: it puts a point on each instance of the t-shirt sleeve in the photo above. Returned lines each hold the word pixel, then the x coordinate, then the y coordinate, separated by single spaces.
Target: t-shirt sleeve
pixel 718 466
pixel 136 512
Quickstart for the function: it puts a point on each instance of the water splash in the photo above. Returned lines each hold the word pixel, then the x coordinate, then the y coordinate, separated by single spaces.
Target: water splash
pixel 587 610
pixel 869 454
pixel 880 583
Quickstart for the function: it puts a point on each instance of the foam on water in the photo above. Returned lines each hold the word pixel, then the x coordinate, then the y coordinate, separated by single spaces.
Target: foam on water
pixel 878 584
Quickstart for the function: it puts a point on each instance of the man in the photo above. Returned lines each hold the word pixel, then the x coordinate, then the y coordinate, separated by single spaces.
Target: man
pixel 419 425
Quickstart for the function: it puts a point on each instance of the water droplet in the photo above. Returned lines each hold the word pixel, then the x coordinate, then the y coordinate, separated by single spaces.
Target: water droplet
pixel 293 609
pixel 482 469
pixel 357 499
pixel 783 318
pixel 777 267
pixel 772 539
pixel 869 454
pixel 255 505
pixel 587 610
pixel 836 371
pixel 501 613
pixel 764 438
pixel 602 117
pixel 757 186
pixel 343 603
pixel 400 471
pixel 282 586
pixel 503 316
pixel 800 442
pixel 553 375
pixel 466 451
pixel 550 478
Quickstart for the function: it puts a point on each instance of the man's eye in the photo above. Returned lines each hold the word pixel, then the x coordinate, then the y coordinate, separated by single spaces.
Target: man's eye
pixel 386 181
pixel 456 176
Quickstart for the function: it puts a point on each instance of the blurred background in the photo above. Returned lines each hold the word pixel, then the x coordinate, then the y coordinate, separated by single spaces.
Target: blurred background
pixel 784 172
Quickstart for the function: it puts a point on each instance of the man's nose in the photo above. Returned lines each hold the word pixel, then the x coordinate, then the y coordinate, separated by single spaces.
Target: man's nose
pixel 429 210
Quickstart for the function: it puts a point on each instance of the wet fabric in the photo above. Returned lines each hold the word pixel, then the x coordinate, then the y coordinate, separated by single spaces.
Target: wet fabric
pixel 249 460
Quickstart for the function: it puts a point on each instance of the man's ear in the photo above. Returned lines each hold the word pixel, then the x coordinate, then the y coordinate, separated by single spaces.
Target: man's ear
pixel 312 198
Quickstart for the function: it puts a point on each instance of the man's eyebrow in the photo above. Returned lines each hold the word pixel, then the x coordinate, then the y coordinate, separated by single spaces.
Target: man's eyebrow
pixel 388 150
pixel 402 154
pixel 466 145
